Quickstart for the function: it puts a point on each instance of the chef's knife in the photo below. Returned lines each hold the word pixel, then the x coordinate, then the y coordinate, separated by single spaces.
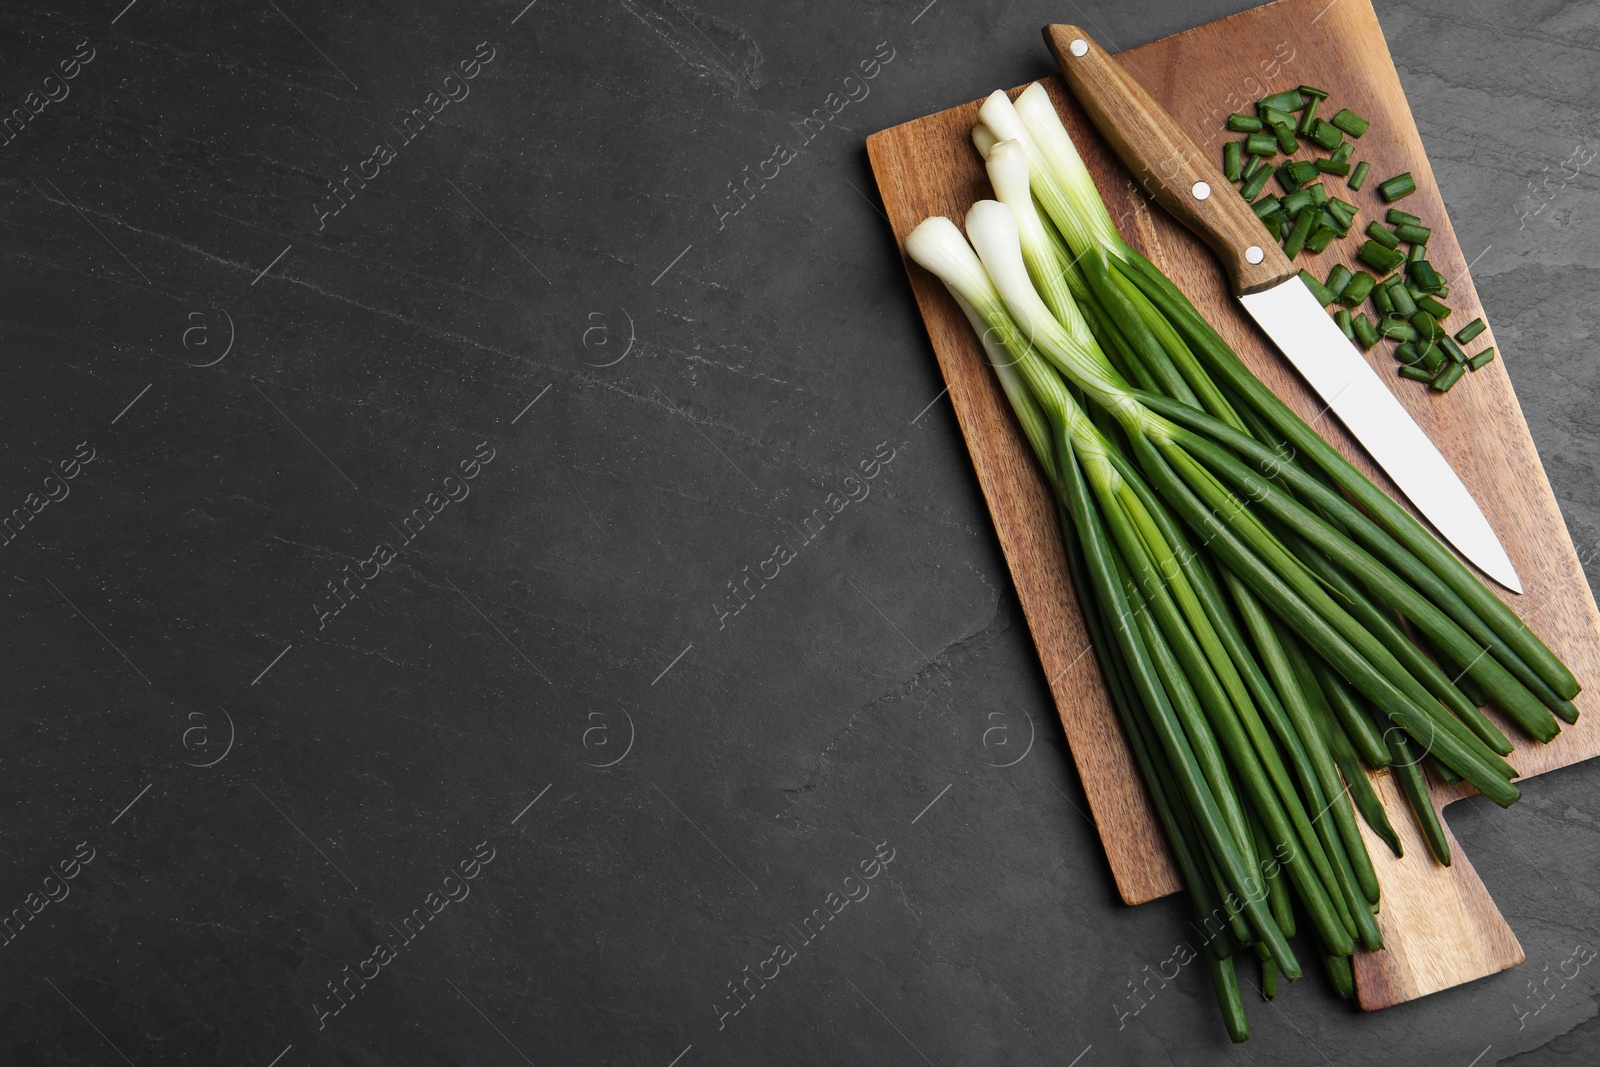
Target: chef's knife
pixel 1188 184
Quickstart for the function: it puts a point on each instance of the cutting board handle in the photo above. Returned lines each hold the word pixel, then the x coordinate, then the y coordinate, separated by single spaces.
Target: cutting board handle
pixel 1168 165
pixel 1439 923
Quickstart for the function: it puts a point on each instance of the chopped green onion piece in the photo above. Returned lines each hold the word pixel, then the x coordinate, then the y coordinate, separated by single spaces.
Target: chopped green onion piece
pixel 1482 359
pixel 1308 117
pixel 1395 217
pixel 1285 134
pixel 1244 123
pixel 1452 349
pixel 1433 307
pixel 1427 326
pixel 1416 252
pixel 1400 297
pixel 1470 330
pixel 1366 332
pixel 1334 221
pixel 1319 193
pixel 1412 234
pixel 1382 234
pixel 1342 317
pixel 1295 201
pixel 1406 352
pixel 1343 153
pixel 1312 90
pixel 1358 177
pixel 1432 358
pixel 1288 100
pixel 1416 374
pixel 1321 238
pixel 1275 116
pixel 1338 278
pixel 1424 275
pixel 1261 144
pixel 1333 166
pixel 1253 186
pixel 1295 173
pixel 1251 165
pixel 1266 206
pixel 1277 224
pixel 1232 160
pixel 1318 290
pixel 1381 301
pixel 1350 122
pixel 1397 329
pixel 1448 377
pixel 1357 290
pixel 1325 135
pixel 1298 235
pixel 1394 188
pixel 1381 259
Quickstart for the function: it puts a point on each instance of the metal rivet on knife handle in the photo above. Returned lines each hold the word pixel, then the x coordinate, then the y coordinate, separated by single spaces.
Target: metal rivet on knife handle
pixel 1079 47
pixel 1201 190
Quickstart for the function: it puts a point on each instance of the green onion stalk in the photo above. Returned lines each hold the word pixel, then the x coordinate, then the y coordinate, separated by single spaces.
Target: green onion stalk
pixel 1247 591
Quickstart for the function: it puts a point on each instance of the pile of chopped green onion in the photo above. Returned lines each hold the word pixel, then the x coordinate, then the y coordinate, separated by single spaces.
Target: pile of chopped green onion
pixel 1409 306
pixel 1250 596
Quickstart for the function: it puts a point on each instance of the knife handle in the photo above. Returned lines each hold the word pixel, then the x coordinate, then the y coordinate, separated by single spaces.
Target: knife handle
pixel 1167 163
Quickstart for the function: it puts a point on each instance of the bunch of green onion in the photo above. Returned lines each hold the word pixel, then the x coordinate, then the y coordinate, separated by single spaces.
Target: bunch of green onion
pixel 1267 620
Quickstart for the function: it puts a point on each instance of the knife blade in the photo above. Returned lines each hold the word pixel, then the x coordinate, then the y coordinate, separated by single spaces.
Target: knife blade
pixel 1332 366
pixel 1182 178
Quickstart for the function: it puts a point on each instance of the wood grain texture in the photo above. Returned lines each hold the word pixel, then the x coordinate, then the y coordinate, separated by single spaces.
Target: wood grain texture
pixel 1451 931
pixel 1165 160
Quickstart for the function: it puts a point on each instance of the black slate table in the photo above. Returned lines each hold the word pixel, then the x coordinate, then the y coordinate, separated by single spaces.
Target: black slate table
pixel 489 576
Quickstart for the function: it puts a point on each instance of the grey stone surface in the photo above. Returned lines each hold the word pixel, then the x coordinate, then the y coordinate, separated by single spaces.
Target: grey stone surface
pixel 268 787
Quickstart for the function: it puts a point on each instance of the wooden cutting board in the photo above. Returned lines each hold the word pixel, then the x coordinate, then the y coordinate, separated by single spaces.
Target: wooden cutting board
pixel 1439 924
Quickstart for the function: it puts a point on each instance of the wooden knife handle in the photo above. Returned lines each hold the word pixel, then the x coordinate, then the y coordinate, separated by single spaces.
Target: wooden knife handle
pixel 1167 163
